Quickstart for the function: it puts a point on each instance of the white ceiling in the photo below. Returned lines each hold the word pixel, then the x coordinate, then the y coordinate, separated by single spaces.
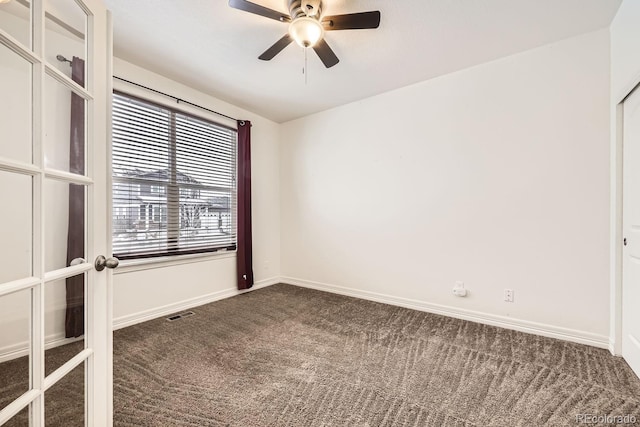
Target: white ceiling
pixel 211 47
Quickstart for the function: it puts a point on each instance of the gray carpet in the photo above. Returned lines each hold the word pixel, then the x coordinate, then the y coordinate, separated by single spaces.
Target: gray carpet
pixel 287 356
pixel 64 401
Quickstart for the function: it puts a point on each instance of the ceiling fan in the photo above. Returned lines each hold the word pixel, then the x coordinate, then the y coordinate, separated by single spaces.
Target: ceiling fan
pixel 307 26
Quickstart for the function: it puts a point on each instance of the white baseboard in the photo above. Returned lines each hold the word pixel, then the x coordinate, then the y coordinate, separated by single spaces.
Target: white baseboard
pixel 614 348
pixel 572 335
pixel 536 328
pixel 15 351
pixel 153 313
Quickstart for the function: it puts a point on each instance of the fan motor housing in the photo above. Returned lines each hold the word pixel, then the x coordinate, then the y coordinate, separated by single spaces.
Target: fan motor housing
pixel 302 8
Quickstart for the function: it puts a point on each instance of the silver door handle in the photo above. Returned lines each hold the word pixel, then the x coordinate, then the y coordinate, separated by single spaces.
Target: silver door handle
pixel 102 262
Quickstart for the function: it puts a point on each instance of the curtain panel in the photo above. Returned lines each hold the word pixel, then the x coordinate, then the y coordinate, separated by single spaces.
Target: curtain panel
pixel 74 318
pixel 244 247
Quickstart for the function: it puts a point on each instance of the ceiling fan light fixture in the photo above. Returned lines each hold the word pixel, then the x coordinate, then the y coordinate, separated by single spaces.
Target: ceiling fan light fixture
pixel 306 31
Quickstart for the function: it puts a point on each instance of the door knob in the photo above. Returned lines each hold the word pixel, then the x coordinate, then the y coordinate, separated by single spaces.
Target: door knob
pixel 102 262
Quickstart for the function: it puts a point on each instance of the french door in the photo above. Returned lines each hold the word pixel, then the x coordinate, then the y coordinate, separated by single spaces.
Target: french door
pixel 55 328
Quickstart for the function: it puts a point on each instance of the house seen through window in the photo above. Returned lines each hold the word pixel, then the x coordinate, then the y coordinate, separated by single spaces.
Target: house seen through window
pixel 174 181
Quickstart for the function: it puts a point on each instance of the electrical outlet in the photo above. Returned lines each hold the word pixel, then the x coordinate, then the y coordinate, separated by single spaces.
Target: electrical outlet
pixel 508 295
pixel 459 290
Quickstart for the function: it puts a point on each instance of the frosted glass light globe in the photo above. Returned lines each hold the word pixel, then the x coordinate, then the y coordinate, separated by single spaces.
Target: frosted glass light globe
pixel 306 31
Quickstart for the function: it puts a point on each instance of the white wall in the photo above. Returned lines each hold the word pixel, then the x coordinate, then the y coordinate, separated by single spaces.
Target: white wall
pixel 149 290
pixel 625 75
pixel 497 176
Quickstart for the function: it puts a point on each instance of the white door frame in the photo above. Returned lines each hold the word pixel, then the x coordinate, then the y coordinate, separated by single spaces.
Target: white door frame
pixel 101 404
pixel 616 206
pixel 108 386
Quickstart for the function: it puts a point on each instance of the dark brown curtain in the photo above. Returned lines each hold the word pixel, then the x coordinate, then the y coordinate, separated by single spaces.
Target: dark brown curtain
pixel 245 256
pixel 74 321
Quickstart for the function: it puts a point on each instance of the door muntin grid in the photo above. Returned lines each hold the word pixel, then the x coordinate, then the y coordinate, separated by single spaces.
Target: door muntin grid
pixel 35 51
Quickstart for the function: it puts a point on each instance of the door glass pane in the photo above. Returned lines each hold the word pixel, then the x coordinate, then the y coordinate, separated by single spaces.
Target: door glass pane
pixel 15 345
pixel 64 115
pixel 15 19
pixel 63 318
pixel 15 226
pixel 15 116
pixel 64 210
pixel 64 402
pixel 65 33
pixel 21 419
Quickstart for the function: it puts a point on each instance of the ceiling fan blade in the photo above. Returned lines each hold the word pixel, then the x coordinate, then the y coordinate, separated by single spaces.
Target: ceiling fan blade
pixel 326 54
pixel 247 6
pixel 352 21
pixel 276 48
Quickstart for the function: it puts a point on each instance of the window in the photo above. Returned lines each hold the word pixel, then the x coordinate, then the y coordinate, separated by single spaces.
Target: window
pixel 174 181
pixel 157 189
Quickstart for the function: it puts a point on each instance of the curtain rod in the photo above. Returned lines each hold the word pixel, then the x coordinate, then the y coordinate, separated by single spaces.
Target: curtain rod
pixel 179 100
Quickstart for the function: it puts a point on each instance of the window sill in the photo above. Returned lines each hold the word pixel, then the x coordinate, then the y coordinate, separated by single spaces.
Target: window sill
pixel 132 265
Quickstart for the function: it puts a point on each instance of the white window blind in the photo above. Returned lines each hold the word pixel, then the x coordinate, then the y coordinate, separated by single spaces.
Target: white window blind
pixel 174 181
